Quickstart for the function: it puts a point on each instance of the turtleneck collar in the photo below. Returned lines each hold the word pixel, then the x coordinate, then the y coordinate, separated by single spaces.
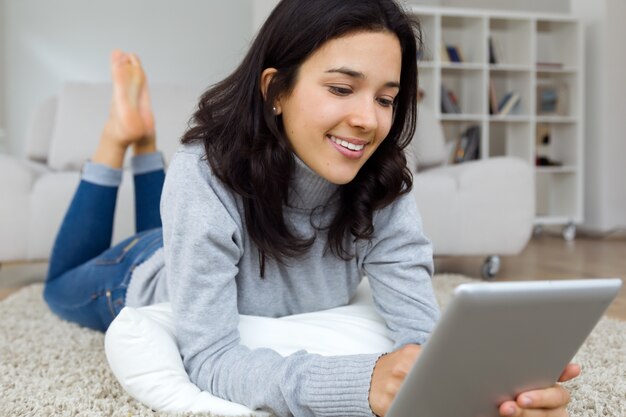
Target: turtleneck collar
pixel 308 189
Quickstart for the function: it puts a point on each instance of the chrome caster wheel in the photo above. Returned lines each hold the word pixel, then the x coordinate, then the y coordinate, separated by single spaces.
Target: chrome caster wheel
pixel 490 268
pixel 569 232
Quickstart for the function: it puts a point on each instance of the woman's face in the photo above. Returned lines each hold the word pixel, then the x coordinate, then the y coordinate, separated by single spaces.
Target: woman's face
pixel 341 107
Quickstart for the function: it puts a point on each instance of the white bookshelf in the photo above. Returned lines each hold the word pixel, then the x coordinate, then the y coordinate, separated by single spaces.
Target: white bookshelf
pixel 536 54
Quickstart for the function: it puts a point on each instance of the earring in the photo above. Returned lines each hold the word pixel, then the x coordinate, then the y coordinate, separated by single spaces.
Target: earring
pixel 274 110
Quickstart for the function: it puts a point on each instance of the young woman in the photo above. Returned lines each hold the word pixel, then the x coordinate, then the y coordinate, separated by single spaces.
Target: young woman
pixel 290 185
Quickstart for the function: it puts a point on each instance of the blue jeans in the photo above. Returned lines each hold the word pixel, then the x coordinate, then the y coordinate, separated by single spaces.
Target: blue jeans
pixel 87 279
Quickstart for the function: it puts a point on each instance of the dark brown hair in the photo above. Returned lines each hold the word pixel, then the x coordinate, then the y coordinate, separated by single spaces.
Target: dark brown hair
pixel 248 150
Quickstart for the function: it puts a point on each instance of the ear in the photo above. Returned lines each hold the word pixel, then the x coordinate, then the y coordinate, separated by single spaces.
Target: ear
pixel 266 79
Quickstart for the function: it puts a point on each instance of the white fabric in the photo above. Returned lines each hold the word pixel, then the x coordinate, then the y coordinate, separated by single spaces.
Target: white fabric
pixel 141 349
pixel 488 206
pixel 40 131
pixel 50 198
pixel 16 182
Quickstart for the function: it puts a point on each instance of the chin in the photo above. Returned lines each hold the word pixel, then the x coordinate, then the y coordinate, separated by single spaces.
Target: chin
pixel 341 178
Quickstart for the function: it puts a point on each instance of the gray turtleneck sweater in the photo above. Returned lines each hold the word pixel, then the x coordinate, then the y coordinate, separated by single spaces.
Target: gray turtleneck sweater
pixel 209 271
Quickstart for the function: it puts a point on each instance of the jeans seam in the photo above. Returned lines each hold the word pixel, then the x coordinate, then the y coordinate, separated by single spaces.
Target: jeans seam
pixel 149 246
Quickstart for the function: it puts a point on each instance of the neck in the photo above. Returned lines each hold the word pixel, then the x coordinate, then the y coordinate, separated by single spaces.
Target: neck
pixel 308 189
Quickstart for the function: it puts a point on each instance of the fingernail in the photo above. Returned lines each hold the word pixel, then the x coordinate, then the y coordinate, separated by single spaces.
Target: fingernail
pixel 508 411
pixel 526 401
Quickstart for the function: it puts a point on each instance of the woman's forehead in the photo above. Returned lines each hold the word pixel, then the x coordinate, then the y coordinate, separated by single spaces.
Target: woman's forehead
pixel 366 54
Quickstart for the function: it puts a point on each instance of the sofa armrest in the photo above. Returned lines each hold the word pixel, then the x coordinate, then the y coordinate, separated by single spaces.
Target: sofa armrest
pixel 17 178
pixel 482 207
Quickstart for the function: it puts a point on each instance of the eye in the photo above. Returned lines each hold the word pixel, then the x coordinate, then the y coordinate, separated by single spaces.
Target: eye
pixel 339 91
pixel 386 102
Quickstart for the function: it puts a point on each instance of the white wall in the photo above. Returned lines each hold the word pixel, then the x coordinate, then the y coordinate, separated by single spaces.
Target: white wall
pixel 261 9
pixel 615 164
pixel 49 42
pixel 2 82
pixel 605 89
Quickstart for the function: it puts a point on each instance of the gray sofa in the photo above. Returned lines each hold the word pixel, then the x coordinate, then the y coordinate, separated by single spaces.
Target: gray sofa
pixel 477 208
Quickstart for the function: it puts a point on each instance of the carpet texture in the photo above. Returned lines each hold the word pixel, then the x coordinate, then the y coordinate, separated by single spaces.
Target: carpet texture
pixel 53 368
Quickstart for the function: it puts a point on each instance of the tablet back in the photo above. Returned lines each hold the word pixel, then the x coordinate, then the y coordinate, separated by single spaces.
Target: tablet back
pixel 496 340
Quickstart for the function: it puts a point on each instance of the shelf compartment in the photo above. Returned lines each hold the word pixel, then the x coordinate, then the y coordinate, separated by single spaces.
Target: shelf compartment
pixel 557 195
pixel 557 95
pixel 557 143
pixel 557 43
pixel 510 139
pixel 510 41
pixel 467 86
pixel 466 33
pixel 505 82
pixel 453 130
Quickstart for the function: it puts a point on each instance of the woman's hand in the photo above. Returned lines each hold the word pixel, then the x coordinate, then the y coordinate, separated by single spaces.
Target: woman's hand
pixel 388 375
pixel 549 402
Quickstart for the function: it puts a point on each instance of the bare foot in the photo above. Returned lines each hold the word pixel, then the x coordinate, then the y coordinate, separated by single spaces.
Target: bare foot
pixel 131 121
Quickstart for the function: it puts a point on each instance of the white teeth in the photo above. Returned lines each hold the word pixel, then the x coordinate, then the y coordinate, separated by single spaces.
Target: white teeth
pixel 346 144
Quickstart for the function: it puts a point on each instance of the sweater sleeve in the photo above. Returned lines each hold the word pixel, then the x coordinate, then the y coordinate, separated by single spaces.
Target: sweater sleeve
pixel 399 266
pixel 202 246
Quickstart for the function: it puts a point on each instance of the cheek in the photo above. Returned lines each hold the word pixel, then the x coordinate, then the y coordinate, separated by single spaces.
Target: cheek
pixel 384 127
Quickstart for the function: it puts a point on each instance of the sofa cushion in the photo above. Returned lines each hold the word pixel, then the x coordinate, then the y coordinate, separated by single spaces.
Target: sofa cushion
pixel 477 207
pixel 40 131
pixel 51 196
pixel 83 109
pixel 16 183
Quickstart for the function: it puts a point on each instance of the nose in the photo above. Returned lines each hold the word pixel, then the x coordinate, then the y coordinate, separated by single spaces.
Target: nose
pixel 364 115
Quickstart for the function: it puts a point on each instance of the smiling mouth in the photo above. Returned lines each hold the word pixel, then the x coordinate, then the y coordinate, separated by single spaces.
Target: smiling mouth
pixel 346 144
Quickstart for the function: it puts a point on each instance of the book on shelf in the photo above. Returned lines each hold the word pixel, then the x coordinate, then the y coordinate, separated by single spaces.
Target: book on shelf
pixel 496 51
pixel 493 59
pixel 493 100
pixel 509 103
pixel 449 101
pixel 552 100
pixel 468 145
pixel 443 52
pixel 454 53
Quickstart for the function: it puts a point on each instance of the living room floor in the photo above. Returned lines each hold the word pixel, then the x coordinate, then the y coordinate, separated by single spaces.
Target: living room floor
pixel 547 256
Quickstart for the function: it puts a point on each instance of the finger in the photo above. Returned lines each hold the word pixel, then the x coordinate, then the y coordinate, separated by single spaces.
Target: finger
pixel 510 409
pixel 553 397
pixel 571 371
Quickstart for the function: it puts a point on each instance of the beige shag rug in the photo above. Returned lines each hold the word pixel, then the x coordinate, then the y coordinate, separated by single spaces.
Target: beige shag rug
pixel 53 368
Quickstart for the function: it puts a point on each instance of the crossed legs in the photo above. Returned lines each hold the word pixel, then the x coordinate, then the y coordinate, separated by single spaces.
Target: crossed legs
pixel 81 252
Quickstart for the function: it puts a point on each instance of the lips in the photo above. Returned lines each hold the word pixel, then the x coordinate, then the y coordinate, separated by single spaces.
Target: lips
pixel 349 148
pixel 350 144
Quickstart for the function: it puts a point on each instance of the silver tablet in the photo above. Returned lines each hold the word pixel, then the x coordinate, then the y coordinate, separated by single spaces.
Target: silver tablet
pixel 496 340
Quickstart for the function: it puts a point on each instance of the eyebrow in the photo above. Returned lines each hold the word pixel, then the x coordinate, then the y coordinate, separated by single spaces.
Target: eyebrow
pixel 356 74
